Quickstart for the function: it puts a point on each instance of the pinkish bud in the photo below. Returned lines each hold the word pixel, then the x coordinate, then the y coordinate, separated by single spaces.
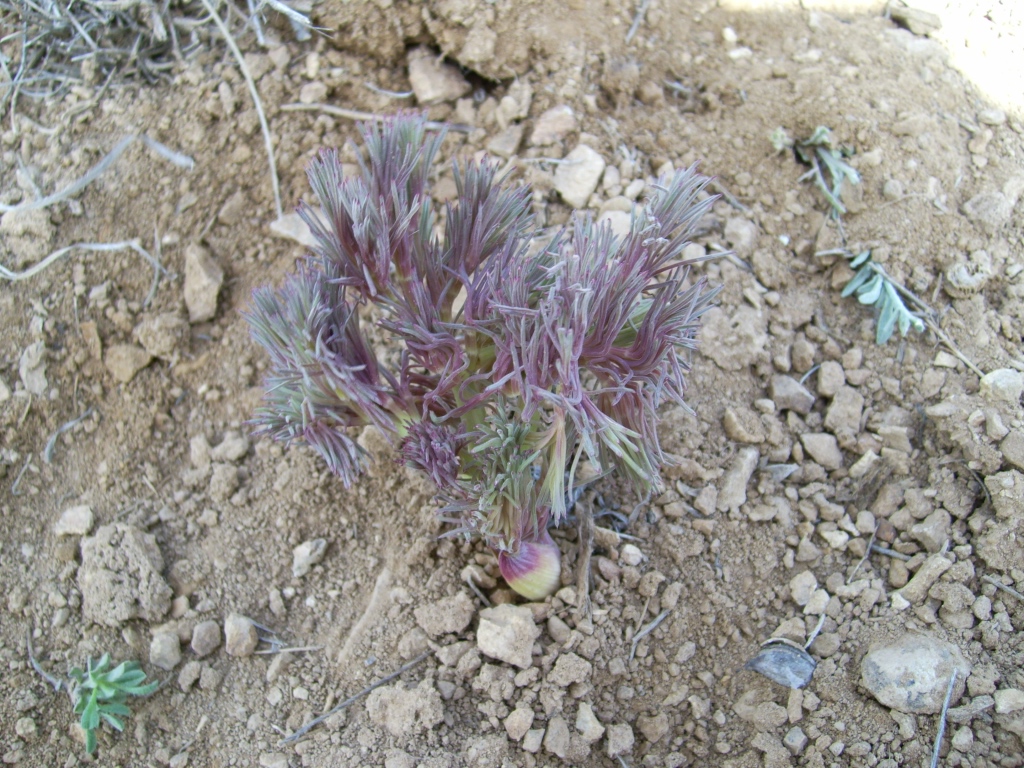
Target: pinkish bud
pixel 534 570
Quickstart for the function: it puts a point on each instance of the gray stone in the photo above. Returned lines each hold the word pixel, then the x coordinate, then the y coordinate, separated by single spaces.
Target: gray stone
pixel 532 740
pixel 653 727
pixel 552 126
pixel 506 143
pixel 5 391
pixel 741 234
pixel 206 638
pixel 844 412
pixel 795 741
pixel 569 669
pixel 619 739
pixel 240 637
pixel 1012 447
pixel 733 493
pixel 1002 385
pixel 306 555
pixel 165 650
pixel 743 425
pixel 912 674
pixel 125 360
pixel 76 521
pixel 121 577
pixel 518 722
pixel 788 394
pixel 449 615
pixel 432 80
pixel 203 279
pixel 802 586
pixel 992 116
pixel 576 177
pixel 508 632
pixel 831 378
pixel 32 368
pixel 1008 700
pixel 161 334
pixel 927 574
pixel 823 448
pixel 933 531
pixel 1000 544
pixel 587 724
pixel 972 709
pixel 915 20
pixel 556 740
pixel 234 209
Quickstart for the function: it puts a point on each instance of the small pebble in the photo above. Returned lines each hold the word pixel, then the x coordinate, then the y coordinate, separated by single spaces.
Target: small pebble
pixel 206 638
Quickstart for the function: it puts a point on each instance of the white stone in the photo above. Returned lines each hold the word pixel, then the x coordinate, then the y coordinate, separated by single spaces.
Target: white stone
pixel 733 493
pixel 165 650
pixel 823 448
pixel 125 360
pixel 76 521
pixel 240 637
pixel 1009 700
pixel 912 674
pixel 631 555
pixel 434 81
pixel 306 555
pixel 576 177
pixel 552 126
pixel 619 739
pixel 518 722
pixel 587 724
pixel 203 279
pixel 233 447
pixel 1002 385
pixel 32 368
pixel 802 586
pixel 508 632
pixel 817 603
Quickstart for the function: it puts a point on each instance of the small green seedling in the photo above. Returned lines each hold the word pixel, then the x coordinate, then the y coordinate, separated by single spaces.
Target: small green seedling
pixel 873 285
pixel 817 151
pixel 99 694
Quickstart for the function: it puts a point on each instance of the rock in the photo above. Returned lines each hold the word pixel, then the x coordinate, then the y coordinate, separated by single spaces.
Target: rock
pixel 577 175
pixel 972 709
pixel 120 577
pixel 619 739
pixel 1008 700
pixel 733 493
pixel 406 711
pixel 990 210
pixel 844 412
pixel 552 126
pixel 933 531
pixel 312 93
pixel 240 637
pixel 795 741
pixel 913 19
pixel 75 521
pixel 291 227
pixel 734 342
pixel 28 235
pixel 203 279
pixel 569 669
pixel 912 674
pixel 5 391
pixel 763 715
pixel 515 104
pixel 206 638
pixel 1004 385
pixel 831 378
pixel 802 586
pixel 125 360
pixel 165 650
pixel 231 213
pixel 741 234
pixel 743 425
pixel 161 334
pixel 556 740
pixel 653 727
pixel 32 368
pixel 631 555
pixel 232 447
pixel 927 574
pixel 992 116
pixel 1000 545
pixel 817 603
pixel 449 615
pixel 432 80
pixel 508 632
pixel 518 722
pixel 788 394
pixel 587 724
pixel 1012 447
pixel 532 740
pixel 306 555
pixel 823 448
pixel 506 143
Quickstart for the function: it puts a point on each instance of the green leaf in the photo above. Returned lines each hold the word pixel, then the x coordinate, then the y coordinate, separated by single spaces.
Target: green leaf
pixel 90 740
pixel 113 721
pixel 869 293
pixel 886 319
pixel 91 714
pixel 857 280
pixel 115 708
pixel 859 259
